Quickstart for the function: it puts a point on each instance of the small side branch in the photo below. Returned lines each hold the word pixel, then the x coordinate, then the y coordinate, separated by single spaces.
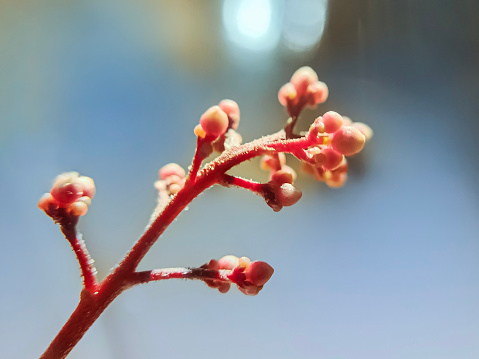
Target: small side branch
pixel 88 272
pixel 179 273
pixel 253 186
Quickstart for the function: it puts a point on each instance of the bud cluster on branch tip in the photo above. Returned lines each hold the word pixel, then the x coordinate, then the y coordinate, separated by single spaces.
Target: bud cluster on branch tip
pixel 218 119
pixel 250 277
pixel 172 178
pixel 340 137
pixel 303 88
pixel 70 192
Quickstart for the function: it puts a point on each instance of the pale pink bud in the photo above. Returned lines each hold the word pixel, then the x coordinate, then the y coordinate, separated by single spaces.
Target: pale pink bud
pixel 47 202
pixel 89 189
pixel 231 109
pixel 287 94
pixel 228 262
pixel 348 140
pixel 214 121
pixel 318 93
pixel 337 180
pixel 287 195
pixel 332 121
pixel 66 193
pixel 243 262
pixel 365 130
pixel 302 78
pixel 171 169
pixel 258 273
pixel 78 208
pixel 285 175
pixel 328 158
pixel 269 162
pixel 199 132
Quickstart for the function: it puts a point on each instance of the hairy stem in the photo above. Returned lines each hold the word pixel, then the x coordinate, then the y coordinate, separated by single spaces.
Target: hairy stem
pixel 93 303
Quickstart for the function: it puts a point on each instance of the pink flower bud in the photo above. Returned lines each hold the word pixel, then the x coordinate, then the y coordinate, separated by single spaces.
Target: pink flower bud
pixel 78 208
pixel 214 122
pixel 67 192
pixel 258 273
pixel 228 262
pixel 269 162
pixel 287 195
pixel 337 180
pixel 365 130
pixel 199 132
pixel 47 202
pixel 231 109
pixel 171 169
pixel 332 121
pixel 348 140
pixel 328 158
pixel 318 93
pixel 285 175
pixel 287 94
pixel 302 78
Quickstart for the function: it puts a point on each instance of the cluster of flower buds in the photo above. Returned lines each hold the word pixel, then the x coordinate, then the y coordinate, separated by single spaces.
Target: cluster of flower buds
pixel 217 127
pixel 304 89
pixel 341 137
pixel 250 277
pixel 172 178
pixel 280 191
pixel 71 192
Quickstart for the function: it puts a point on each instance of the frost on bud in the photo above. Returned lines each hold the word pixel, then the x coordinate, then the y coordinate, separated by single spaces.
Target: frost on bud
pixel 332 121
pixel 302 78
pixel 231 109
pixel 348 140
pixel 70 192
pixel 214 122
pixel 287 94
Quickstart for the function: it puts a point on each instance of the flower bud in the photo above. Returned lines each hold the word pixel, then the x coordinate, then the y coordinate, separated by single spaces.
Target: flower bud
pixel 258 273
pixel 287 195
pixel 231 109
pixel 214 122
pixel 318 93
pixel 365 130
pixel 302 78
pixel 332 121
pixel 287 94
pixel 171 169
pixel 348 140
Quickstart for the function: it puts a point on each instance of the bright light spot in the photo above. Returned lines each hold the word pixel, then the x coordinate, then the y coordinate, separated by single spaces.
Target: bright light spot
pixel 254 17
pixel 304 22
pixel 249 24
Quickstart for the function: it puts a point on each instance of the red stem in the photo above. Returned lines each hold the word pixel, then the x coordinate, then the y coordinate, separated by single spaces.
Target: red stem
pixel 87 270
pixel 179 273
pixel 93 304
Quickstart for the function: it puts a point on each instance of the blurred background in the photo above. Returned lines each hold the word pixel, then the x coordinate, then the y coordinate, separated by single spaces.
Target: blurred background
pixel 386 267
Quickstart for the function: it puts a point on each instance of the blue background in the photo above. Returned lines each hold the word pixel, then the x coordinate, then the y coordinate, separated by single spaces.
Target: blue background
pixel 386 267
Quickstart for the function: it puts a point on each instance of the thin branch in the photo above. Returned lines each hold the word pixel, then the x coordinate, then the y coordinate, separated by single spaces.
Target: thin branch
pixel 178 273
